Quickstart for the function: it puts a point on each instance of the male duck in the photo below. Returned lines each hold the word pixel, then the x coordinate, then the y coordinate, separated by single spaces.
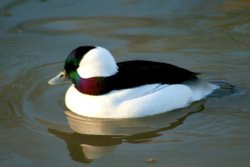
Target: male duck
pixel 103 88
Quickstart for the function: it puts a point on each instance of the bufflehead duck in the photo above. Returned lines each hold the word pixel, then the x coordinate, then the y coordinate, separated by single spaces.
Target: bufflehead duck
pixel 103 88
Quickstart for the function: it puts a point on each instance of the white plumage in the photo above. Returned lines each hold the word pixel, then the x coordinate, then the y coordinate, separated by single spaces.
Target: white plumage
pixel 137 101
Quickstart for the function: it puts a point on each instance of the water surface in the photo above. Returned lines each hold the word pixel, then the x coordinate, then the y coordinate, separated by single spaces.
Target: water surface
pixel 211 37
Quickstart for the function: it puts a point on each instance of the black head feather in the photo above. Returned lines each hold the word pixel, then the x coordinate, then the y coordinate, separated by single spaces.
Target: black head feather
pixel 74 58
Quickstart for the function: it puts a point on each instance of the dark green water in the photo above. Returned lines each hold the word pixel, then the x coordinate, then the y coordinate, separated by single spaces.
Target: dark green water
pixel 211 37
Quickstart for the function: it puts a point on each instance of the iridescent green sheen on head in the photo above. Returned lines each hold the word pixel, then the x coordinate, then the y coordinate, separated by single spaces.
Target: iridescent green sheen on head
pixel 75 77
pixel 73 60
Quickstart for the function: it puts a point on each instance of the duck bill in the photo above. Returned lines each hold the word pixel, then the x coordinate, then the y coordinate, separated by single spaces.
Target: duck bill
pixel 59 79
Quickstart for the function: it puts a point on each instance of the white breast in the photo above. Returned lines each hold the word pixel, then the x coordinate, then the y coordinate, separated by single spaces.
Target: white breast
pixel 137 102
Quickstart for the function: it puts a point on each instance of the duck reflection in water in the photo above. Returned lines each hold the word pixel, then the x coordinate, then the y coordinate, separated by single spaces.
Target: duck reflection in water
pixel 90 138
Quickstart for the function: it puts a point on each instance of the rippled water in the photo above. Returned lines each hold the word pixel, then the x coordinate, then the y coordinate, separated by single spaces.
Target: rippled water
pixel 212 37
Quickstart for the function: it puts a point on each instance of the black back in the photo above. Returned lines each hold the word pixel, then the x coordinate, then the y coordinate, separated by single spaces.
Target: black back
pixel 139 72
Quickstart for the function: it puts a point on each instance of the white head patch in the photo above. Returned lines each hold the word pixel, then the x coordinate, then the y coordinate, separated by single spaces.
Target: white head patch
pixel 97 62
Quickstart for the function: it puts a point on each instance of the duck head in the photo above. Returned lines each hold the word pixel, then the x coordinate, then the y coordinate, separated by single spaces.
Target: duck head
pixel 86 62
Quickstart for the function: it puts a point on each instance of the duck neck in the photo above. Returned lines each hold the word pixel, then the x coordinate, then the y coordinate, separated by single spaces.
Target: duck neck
pixel 90 86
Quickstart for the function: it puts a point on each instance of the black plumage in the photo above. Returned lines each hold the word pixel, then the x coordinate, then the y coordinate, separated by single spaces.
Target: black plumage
pixel 139 72
pixel 130 74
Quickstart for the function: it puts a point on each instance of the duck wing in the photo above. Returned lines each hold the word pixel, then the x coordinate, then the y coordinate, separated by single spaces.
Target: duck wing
pixel 139 72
